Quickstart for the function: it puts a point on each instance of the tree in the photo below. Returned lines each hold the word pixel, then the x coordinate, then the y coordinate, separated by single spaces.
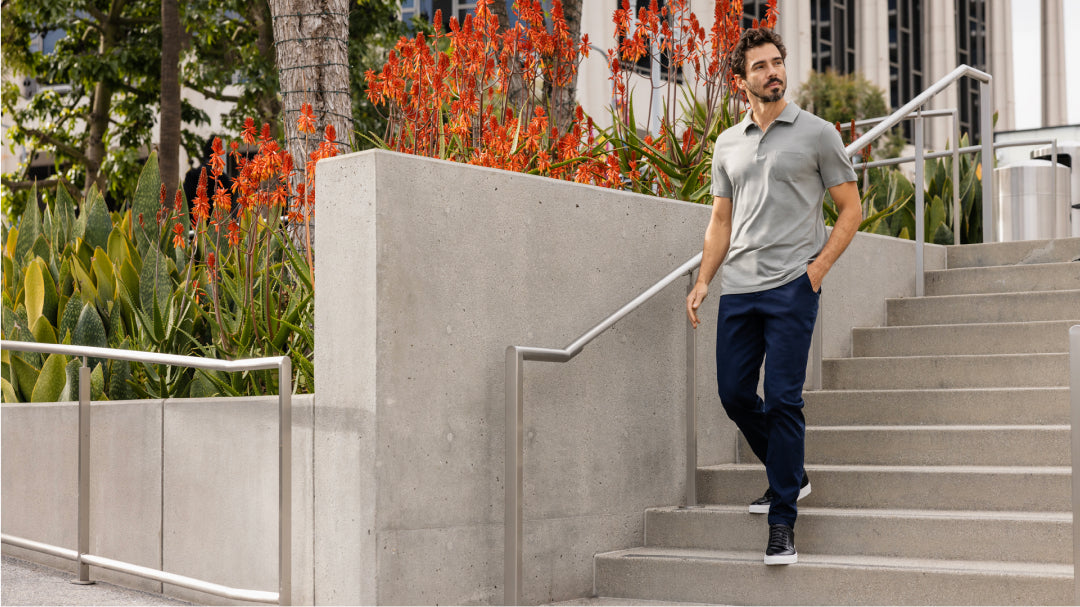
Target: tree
pixel 169 146
pixel 841 98
pixel 108 62
pixel 312 42
pixel 374 28
pixel 559 96
pixel 233 58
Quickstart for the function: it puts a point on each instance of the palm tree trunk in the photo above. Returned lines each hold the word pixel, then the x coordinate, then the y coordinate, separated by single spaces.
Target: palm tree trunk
pixel 312 40
pixel 561 98
pixel 169 141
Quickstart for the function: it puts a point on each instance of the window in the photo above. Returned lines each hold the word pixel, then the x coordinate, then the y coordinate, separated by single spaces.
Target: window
pixel 905 54
pixel 753 9
pixel 970 50
pixel 832 38
pixel 643 65
pixel 425 9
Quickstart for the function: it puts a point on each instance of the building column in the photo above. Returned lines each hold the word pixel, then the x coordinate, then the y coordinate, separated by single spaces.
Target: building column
pixel 940 47
pixel 999 43
pixel 1053 63
pixel 794 27
pixel 872 42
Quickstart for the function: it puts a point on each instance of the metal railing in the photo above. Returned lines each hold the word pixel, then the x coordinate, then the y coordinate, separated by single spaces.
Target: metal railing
pixel 517 355
pixel 82 554
pixel 515 359
pixel 912 110
pixel 1074 381
pixel 920 199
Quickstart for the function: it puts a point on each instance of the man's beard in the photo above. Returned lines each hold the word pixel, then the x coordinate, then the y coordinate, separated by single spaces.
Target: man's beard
pixel 768 97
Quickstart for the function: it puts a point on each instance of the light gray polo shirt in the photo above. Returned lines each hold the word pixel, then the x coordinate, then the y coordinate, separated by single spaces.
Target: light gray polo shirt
pixel 776 180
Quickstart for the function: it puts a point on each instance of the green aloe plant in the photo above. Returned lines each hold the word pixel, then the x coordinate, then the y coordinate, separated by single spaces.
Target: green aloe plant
pixel 77 274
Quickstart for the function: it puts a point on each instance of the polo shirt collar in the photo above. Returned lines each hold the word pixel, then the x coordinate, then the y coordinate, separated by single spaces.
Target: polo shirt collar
pixel 788 115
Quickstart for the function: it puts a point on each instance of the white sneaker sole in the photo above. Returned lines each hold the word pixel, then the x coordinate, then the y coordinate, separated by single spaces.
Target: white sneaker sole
pixel 764 508
pixel 786 559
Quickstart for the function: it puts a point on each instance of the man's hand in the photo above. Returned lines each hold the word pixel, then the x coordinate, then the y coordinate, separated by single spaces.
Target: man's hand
pixel 693 301
pixel 816 274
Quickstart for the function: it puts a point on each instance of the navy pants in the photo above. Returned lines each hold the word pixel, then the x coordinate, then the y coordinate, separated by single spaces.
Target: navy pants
pixel 776 326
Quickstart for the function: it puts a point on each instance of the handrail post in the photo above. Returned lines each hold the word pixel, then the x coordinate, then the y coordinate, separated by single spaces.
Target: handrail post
pixel 1054 172
pixel 920 202
pixel 956 176
pixel 986 136
pixel 691 406
pixel 285 482
pixel 1074 380
pixel 84 473
pixel 513 480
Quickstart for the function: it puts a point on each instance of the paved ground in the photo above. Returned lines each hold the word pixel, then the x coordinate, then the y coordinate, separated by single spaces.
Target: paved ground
pixel 24 583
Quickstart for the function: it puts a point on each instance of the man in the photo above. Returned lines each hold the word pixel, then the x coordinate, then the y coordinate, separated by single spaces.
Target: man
pixel 769 176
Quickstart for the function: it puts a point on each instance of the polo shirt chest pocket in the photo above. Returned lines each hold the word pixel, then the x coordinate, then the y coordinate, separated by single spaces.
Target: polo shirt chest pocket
pixel 788 166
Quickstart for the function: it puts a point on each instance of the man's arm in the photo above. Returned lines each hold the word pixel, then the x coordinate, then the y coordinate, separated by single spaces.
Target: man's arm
pixel 846 197
pixel 717 241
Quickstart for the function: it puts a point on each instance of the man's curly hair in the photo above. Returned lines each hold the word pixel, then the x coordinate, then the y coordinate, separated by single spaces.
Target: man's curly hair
pixel 753 38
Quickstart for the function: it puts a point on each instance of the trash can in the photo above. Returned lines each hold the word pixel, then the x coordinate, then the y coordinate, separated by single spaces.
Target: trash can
pixel 1025 208
pixel 1068 155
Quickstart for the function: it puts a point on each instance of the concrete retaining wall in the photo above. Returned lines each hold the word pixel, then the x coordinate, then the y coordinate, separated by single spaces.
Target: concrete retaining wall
pixel 426 272
pixel 213 461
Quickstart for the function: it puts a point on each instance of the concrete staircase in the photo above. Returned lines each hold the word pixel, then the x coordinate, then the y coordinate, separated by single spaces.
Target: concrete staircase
pixel 938 453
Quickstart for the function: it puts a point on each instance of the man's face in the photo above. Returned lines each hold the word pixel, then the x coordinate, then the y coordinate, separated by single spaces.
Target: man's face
pixel 766 78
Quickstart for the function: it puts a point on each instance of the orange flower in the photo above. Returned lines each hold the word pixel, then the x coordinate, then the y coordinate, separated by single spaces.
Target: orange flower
pixel 249 130
pixel 178 238
pixel 201 208
pixel 306 122
pixel 217 159
pixel 233 235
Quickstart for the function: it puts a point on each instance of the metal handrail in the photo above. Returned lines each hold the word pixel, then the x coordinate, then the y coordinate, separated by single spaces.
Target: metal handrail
pixel 515 358
pixel 1074 381
pixel 986 147
pixel 81 556
pixel 954 152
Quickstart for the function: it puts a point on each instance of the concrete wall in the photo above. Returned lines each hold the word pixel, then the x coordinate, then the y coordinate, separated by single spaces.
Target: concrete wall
pixel 213 461
pixel 431 270
pixel 872 269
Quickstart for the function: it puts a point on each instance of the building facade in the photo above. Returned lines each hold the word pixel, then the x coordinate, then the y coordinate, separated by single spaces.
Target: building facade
pixel 901 46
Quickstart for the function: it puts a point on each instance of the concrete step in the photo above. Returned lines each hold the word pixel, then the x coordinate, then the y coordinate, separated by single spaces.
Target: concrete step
pixel 986 308
pixel 1050 336
pixel 740 578
pixel 1044 537
pixel 959 371
pixel 1011 253
pixel 1000 488
pixel 1004 279
pixel 1008 445
pixel 1029 406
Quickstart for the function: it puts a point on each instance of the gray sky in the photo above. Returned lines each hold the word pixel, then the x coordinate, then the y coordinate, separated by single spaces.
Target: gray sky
pixel 1026 60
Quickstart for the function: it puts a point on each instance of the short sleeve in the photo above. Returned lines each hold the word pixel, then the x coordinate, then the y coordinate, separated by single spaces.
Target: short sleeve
pixel 833 162
pixel 721 184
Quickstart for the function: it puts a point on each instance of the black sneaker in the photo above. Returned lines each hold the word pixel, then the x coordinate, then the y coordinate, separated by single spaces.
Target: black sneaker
pixel 761 505
pixel 781 548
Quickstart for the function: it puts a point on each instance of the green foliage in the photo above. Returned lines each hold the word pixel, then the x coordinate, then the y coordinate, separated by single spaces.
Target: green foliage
pixel 229 55
pixel 889 202
pixel 107 280
pixel 842 98
pixel 107 70
pixel 374 28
